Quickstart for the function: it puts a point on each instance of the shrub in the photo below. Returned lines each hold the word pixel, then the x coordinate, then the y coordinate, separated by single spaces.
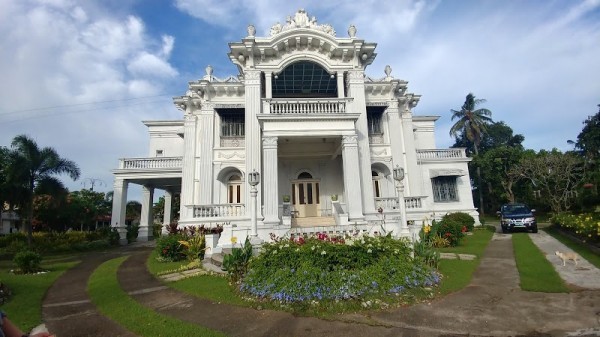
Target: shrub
pixel 439 242
pixel 451 230
pixel 586 225
pixel 28 261
pixel 423 251
pixel 169 248
pixel 132 233
pixel 194 247
pixel 463 218
pixel 157 230
pixel 236 263
pixel 325 268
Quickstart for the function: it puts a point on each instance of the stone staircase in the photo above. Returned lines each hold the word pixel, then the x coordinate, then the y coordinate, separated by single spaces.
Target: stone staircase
pixel 321 221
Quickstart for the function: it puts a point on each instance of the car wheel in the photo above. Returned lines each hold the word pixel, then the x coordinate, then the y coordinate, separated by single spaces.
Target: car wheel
pixel 534 229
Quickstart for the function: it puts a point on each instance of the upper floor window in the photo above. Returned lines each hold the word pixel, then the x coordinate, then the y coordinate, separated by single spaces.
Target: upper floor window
pixel 374 120
pixel 232 125
pixel 444 189
pixel 304 79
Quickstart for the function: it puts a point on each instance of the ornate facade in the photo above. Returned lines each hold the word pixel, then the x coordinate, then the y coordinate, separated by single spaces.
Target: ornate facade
pixel 335 150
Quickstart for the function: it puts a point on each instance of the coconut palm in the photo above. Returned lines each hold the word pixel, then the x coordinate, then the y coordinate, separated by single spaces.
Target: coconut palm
pixel 32 166
pixel 472 123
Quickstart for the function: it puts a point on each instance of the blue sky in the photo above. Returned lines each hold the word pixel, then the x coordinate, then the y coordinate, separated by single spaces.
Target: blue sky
pixel 107 65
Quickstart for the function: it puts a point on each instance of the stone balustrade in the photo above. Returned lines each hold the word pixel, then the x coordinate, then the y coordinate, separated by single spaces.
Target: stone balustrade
pixel 392 203
pixel 219 211
pixel 441 154
pixel 150 163
pixel 306 106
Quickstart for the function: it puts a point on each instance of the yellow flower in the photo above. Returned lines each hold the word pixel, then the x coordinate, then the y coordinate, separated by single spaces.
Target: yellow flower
pixel 427 229
pixel 234 240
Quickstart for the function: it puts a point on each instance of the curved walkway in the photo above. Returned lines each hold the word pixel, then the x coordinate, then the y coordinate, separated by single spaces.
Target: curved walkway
pixel 492 305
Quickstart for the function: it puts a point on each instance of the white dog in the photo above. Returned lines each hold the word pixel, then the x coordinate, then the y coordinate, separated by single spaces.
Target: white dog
pixel 567 256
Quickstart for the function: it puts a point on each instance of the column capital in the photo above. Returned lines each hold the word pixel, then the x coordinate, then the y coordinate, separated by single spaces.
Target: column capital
pixel 269 142
pixel 252 77
pixel 350 140
pixel 355 77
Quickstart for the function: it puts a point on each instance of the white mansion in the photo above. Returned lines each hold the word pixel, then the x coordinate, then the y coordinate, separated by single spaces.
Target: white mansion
pixel 334 149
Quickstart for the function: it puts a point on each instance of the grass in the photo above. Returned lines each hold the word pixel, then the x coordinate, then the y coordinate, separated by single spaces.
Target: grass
pixel 155 267
pixel 25 307
pixel 576 246
pixel 113 302
pixel 211 287
pixel 535 271
pixel 458 273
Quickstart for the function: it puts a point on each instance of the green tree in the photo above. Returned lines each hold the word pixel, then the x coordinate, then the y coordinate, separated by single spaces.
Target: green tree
pixel 472 123
pixel 32 166
pixel 555 175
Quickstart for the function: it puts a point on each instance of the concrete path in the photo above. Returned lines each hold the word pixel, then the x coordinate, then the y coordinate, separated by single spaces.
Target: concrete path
pixel 492 305
pixel 585 275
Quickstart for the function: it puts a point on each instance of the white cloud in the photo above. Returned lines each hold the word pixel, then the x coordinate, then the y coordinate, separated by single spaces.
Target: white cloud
pixel 60 53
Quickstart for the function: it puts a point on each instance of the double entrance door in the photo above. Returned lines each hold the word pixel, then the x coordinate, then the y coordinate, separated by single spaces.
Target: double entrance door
pixel 305 198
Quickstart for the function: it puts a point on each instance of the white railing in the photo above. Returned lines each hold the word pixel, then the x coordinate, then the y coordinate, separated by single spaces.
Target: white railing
pixel 441 154
pixel 151 163
pixel 392 203
pixel 307 106
pixel 350 230
pixel 386 203
pixel 413 202
pixel 219 211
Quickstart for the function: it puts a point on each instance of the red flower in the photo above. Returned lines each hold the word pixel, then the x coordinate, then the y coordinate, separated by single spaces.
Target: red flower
pixel 464 229
pixel 448 234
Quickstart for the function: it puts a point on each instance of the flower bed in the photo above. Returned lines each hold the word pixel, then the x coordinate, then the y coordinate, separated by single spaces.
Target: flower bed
pixel 585 226
pixel 335 268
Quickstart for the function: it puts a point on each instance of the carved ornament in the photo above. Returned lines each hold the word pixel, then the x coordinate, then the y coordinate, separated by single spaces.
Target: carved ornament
pixel 301 20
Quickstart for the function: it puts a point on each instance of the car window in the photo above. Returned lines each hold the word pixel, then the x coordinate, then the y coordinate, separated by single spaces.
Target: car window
pixel 516 209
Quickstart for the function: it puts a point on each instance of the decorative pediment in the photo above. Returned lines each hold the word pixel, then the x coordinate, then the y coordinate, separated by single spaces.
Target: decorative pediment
pixel 301 20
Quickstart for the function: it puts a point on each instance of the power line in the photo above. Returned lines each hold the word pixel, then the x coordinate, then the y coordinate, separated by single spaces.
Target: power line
pixel 80 104
pixel 50 114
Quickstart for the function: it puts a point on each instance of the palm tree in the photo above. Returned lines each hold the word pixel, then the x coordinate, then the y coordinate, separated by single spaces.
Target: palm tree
pixel 472 122
pixel 32 166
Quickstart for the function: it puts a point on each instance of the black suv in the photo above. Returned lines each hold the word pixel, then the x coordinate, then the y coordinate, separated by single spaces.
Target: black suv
pixel 517 216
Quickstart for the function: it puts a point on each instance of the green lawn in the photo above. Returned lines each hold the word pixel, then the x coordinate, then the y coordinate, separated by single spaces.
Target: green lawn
pixel 535 271
pixel 25 306
pixel 458 273
pixel 576 246
pixel 113 302
pixel 155 267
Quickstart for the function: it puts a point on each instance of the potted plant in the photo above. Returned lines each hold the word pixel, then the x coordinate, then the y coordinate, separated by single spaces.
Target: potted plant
pixel 334 197
pixel 286 198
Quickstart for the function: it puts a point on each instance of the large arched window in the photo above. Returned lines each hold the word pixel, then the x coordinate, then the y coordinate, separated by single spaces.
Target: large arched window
pixel 304 79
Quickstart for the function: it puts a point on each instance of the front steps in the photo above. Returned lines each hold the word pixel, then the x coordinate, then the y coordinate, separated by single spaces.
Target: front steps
pixel 317 221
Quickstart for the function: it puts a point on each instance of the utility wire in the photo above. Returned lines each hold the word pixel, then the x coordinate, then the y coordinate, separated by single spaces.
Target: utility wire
pixel 50 114
pixel 80 104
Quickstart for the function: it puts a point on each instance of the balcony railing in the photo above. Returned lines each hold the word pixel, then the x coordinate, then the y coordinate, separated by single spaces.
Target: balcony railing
pixel 441 154
pixel 392 203
pixel 151 163
pixel 306 106
pixel 219 211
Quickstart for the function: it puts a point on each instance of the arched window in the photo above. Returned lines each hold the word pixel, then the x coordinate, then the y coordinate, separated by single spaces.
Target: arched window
pixel 234 189
pixel 376 184
pixel 304 79
pixel 304 175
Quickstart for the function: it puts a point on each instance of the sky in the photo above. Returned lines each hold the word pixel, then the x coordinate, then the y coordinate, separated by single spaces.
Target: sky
pixel 80 76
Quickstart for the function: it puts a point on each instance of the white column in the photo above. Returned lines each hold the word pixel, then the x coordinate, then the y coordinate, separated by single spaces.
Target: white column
pixel 252 128
pixel 205 154
pixel 268 85
pixel 410 153
pixel 146 220
pixel 395 132
pixel 356 89
pixel 188 169
pixel 402 230
pixel 118 209
pixel 340 84
pixel 168 212
pixel 270 179
pixel 351 171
